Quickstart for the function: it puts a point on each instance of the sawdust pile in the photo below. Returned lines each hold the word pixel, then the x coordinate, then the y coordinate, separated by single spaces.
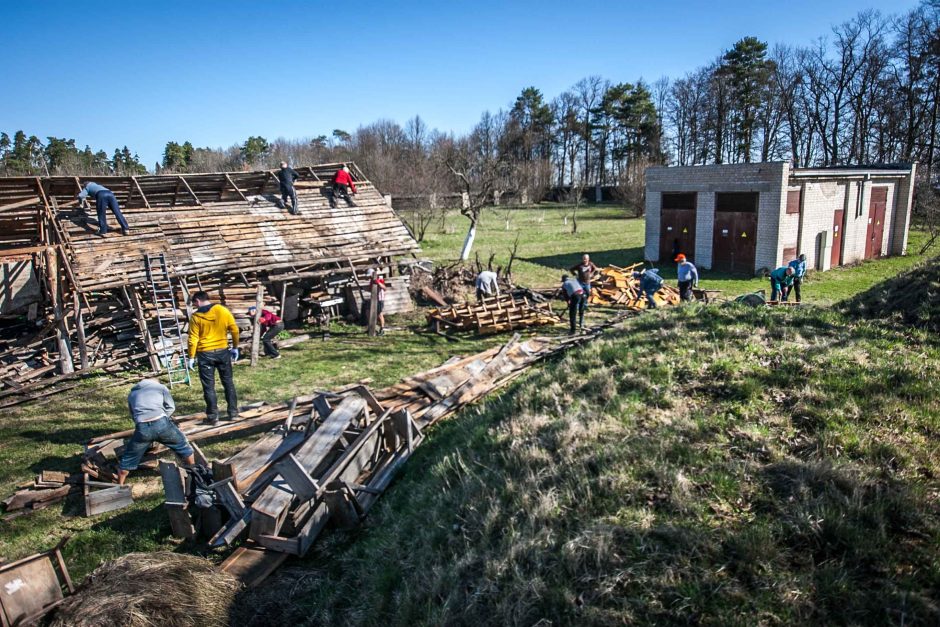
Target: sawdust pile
pixel 144 589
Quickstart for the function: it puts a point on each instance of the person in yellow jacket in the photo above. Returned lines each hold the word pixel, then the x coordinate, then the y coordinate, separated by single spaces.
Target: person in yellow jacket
pixel 209 328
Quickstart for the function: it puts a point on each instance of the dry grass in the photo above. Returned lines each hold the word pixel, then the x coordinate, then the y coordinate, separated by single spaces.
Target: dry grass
pixel 149 590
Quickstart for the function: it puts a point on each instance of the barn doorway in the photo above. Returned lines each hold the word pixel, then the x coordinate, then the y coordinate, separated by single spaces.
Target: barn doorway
pixel 677 225
pixel 734 243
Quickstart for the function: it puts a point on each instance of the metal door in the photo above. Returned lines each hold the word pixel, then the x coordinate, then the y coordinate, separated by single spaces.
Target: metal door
pixel 837 221
pixel 734 245
pixel 677 231
pixel 876 222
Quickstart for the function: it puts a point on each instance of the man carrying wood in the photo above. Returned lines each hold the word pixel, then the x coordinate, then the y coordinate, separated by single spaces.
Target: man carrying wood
pixel 209 328
pixel 104 200
pixel 342 183
pixel 575 297
pixel 271 325
pixel 151 406
pixel 487 284
pixel 286 177
pixel 650 283
pixel 688 277
pixel 780 280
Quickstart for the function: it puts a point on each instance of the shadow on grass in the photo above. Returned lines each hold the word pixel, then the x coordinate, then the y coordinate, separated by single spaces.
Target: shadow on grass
pixel 618 257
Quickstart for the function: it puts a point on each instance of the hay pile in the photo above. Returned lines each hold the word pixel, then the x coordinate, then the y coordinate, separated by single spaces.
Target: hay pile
pixel 912 296
pixel 144 589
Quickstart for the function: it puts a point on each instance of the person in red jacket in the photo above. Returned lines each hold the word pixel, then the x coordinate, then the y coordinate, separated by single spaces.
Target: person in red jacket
pixel 342 183
pixel 271 325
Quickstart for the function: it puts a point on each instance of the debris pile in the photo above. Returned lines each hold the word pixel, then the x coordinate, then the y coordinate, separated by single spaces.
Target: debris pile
pixel 454 282
pixel 616 287
pixel 495 314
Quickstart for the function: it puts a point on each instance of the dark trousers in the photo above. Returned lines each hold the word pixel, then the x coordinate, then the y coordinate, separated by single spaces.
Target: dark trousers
pixel 340 191
pixel 650 301
pixel 685 290
pixel 576 306
pixel 777 290
pixel 797 282
pixel 289 193
pixel 104 201
pixel 209 362
pixel 268 339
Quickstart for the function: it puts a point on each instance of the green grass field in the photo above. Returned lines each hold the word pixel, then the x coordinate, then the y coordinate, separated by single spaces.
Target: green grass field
pixel 636 475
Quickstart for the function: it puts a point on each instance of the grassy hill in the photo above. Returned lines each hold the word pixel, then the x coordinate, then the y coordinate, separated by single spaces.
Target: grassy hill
pixel 715 465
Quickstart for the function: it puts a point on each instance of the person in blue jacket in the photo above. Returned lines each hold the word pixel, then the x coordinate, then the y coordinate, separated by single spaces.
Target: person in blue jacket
pixel 650 283
pixel 104 199
pixel 688 277
pixel 799 271
pixel 780 280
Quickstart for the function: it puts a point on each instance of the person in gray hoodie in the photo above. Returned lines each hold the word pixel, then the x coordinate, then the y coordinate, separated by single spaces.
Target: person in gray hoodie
pixel 151 406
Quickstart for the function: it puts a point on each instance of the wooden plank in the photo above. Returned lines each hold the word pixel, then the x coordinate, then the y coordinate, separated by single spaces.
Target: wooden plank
pixel 174 486
pixel 270 507
pixel 28 588
pixel 181 524
pixel 256 324
pixel 108 500
pixel 252 564
pixel 297 478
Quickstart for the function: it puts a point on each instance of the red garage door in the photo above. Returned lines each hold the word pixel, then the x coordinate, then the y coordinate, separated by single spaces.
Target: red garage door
pixel 876 222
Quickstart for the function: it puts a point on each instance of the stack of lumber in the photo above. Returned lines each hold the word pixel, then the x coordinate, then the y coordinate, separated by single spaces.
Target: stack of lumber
pixel 494 314
pixel 616 287
pixel 50 487
pixel 397 296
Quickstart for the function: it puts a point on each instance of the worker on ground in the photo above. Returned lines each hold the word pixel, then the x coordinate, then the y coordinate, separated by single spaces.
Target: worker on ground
pixel 379 283
pixel 209 328
pixel 585 272
pixel 688 277
pixel 342 183
pixel 104 199
pixel 650 283
pixel 487 284
pixel 799 271
pixel 575 297
pixel 151 407
pixel 286 176
pixel 271 325
pixel 780 280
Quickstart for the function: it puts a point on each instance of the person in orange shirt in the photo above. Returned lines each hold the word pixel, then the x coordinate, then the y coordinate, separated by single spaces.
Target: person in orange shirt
pixel 209 328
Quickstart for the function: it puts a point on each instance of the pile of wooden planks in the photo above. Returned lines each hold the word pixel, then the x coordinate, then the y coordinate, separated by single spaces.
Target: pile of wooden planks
pixel 50 487
pixel 616 287
pixel 494 314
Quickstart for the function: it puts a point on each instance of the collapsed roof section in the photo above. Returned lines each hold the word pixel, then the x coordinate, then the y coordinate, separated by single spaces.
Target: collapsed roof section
pixel 74 301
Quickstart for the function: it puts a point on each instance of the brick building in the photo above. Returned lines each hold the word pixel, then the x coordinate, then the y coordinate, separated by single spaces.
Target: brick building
pixel 750 216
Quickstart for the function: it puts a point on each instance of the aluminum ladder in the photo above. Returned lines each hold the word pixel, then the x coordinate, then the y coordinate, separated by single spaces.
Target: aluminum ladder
pixel 171 346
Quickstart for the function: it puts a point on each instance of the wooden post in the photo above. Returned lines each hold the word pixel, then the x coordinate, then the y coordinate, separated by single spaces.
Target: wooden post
pixel 62 342
pixel 256 325
pixel 80 330
pixel 283 298
pixel 373 306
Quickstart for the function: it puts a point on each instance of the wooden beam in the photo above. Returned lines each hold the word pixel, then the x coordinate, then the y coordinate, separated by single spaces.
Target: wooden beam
pixel 256 324
pixel 141 192
pixel 80 330
pixel 190 190
pixel 54 291
pixel 134 300
pixel 235 187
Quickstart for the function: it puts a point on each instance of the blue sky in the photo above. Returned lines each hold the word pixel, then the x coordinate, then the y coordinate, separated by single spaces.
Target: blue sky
pixel 143 73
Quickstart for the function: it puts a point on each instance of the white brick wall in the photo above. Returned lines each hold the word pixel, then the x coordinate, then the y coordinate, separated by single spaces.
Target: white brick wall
pixel 822 196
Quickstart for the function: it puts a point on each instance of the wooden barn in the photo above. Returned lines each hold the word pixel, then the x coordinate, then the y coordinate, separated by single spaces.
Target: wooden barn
pixel 72 302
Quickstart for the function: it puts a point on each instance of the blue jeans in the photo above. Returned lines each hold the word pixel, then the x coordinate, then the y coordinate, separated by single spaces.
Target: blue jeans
pixel 161 430
pixel 104 201
pixel 649 297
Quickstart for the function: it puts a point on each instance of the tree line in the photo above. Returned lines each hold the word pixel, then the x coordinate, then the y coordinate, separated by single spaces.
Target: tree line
pixel 868 92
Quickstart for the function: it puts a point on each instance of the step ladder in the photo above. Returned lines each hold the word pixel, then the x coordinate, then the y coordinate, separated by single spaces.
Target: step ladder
pixel 169 345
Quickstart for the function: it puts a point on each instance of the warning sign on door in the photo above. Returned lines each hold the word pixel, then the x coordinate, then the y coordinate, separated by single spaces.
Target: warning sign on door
pixel 685 230
pixel 743 233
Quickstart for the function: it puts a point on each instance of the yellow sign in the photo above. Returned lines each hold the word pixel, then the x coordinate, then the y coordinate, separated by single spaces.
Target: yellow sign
pixel 685 230
pixel 744 234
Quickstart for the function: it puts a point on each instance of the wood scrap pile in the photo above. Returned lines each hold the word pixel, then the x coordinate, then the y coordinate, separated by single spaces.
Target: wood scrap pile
pixel 495 314
pixel 453 283
pixel 616 287
pixel 50 487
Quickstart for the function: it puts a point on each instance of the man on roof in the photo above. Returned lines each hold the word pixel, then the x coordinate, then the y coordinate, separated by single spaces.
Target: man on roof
pixel 286 177
pixel 342 183
pixel 104 200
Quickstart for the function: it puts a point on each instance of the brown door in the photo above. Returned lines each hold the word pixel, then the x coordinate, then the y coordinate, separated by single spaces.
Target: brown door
pixel 876 222
pixel 838 218
pixel 734 243
pixel 677 233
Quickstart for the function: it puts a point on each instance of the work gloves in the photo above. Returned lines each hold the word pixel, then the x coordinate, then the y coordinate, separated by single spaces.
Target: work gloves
pixel 191 363
pixel 234 353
